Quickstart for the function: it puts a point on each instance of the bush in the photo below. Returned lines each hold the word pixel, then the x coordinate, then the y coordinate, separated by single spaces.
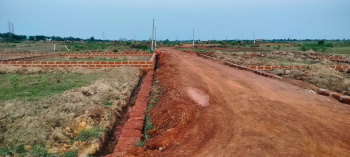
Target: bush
pixel 319 46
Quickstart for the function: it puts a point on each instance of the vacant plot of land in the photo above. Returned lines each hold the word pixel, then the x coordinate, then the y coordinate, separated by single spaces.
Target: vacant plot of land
pixel 36 86
pixel 63 119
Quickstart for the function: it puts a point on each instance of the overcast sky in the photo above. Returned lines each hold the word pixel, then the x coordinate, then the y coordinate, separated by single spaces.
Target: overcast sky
pixel 215 19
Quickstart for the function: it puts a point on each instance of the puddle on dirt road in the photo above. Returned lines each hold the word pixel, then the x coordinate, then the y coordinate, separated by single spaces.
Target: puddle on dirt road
pixel 198 96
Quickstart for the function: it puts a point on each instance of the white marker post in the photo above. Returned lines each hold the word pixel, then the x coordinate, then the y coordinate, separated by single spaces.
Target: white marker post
pixel 66 47
pixel 54 47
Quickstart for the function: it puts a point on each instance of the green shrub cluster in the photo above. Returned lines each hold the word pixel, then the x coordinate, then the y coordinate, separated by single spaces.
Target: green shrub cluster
pixel 320 46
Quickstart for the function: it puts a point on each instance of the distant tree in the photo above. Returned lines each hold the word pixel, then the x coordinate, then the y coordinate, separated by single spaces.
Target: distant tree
pixel 92 39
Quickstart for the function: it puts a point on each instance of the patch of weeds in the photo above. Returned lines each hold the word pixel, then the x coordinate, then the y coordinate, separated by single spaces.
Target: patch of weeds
pixel 156 100
pixel 5 151
pixel 44 83
pixel 89 133
pixel 71 154
pixel 141 143
pixel 107 103
pixel 117 98
pixel 14 82
pixel 39 150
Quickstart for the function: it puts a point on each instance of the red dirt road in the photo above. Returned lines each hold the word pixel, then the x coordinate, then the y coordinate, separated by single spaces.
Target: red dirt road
pixel 247 115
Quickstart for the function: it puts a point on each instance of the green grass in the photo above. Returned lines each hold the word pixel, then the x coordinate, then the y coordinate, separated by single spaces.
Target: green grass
pixel 70 154
pixel 36 86
pixel 338 51
pixel 89 133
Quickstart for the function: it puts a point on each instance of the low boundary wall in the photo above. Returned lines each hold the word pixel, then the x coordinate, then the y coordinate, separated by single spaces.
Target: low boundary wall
pixel 144 65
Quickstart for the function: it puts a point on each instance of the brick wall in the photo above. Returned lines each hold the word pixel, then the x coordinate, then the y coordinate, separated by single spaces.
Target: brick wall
pixel 144 65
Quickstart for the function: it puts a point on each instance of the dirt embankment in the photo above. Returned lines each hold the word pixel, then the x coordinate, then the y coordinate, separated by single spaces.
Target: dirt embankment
pixel 65 122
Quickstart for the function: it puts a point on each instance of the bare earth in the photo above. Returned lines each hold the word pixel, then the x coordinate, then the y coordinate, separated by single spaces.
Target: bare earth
pixel 247 114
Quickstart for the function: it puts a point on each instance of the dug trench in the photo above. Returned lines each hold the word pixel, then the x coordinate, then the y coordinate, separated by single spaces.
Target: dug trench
pixel 112 137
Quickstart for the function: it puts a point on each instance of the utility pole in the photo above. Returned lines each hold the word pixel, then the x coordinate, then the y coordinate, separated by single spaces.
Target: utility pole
pixel 9 32
pixel 193 38
pixel 13 30
pixel 254 37
pixel 155 37
pixel 152 35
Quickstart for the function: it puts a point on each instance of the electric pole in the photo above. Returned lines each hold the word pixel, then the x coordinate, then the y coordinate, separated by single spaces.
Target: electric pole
pixel 193 38
pixel 10 31
pixel 152 35
pixel 254 37
pixel 155 37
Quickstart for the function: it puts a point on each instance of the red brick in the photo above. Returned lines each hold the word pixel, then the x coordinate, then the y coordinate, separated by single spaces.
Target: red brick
pixel 62 66
pixel 297 67
pixel 90 66
pixel 47 66
pixel 81 62
pixel 110 62
pixel 66 62
pixel 96 62
pixel 117 62
pixel 73 62
pixel 149 62
pixel 112 65
pixel 105 65
pixel 135 62
pixel 58 62
pixel 99 66
pixel 138 66
pixel 336 96
pixel 84 66
pixel 28 62
pixel 260 67
pixel 267 67
pixel 89 63
pixel 125 62
pixel 346 99
pixel 103 62
pixel 142 62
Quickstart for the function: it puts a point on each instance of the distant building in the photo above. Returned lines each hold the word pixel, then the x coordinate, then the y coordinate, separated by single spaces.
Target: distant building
pixel 1 39
pixel 259 40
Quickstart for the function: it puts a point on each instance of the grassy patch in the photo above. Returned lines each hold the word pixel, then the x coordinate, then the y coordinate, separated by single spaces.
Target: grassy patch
pixel 39 150
pixel 36 86
pixel 70 154
pixel 89 133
